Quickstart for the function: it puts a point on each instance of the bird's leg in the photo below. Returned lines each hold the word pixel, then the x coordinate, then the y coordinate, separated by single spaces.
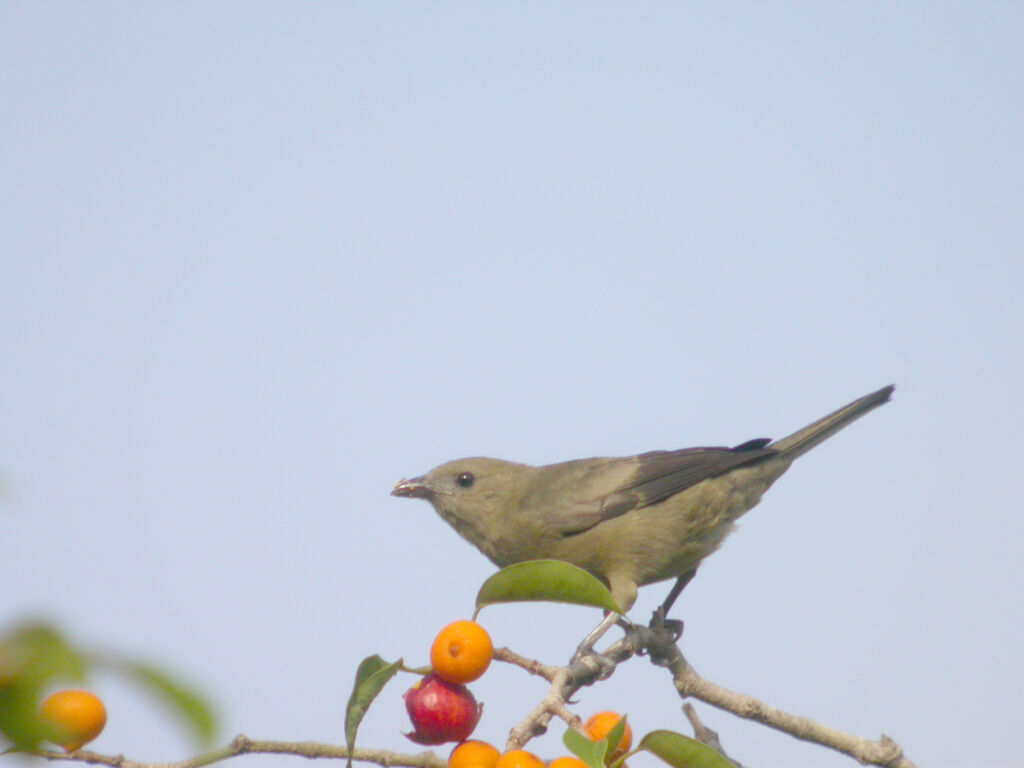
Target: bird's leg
pixel 660 616
pixel 586 646
pixel 665 632
pixel 588 643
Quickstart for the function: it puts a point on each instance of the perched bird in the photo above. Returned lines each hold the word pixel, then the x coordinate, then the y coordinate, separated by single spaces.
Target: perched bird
pixel 630 521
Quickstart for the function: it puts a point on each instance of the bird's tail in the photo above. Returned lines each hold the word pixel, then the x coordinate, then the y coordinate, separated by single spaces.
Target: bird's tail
pixel 803 440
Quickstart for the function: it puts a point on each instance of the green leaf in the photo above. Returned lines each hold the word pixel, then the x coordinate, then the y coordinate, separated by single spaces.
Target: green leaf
pixel 549 580
pixel 614 736
pixel 371 677
pixel 182 699
pixel 590 752
pixel 596 754
pixel 682 751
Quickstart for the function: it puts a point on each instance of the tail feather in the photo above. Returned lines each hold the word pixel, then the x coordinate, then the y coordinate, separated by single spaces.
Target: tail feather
pixel 803 440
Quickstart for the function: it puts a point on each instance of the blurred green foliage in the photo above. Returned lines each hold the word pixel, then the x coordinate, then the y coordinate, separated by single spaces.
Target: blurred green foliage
pixel 32 655
pixel 36 658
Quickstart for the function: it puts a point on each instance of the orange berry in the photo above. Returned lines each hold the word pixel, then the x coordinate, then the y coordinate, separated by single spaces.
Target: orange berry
pixel 461 652
pixel 473 754
pixel 567 762
pixel 597 728
pixel 519 758
pixel 73 718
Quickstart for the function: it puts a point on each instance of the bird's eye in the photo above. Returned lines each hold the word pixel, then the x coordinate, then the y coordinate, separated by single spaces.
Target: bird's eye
pixel 464 480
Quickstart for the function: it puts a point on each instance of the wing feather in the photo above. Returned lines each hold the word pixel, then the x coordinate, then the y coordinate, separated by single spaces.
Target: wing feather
pixel 602 489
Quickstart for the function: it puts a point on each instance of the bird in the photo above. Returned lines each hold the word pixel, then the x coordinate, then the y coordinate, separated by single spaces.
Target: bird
pixel 630 520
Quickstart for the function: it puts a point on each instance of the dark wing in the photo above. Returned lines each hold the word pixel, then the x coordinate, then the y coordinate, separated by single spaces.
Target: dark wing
pixel 612 487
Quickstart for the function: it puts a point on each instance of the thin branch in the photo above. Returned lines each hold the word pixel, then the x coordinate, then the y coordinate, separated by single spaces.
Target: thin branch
pixel 884 752
pixel 565 681
pixel 661 647
pixel 532 666
pixel 242 745
pixel 552 705
pixel 706 735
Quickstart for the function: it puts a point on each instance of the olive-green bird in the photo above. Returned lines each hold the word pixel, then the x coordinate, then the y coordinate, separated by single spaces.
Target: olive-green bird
pixel 630 521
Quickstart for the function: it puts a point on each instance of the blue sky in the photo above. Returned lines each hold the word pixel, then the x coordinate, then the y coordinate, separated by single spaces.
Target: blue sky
pixel 260 261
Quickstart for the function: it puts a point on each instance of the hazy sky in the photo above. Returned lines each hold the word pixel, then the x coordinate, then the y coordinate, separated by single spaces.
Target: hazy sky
pixel 260 261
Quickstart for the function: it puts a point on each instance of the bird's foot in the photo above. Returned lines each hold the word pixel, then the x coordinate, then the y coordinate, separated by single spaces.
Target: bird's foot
pixel 659 638
pixel 660 623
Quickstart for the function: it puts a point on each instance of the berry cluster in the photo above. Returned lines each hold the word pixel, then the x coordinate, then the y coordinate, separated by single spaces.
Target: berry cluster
pixel 443 709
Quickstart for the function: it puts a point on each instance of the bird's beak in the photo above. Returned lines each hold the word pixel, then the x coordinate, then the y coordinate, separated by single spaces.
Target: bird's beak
pixel 416 488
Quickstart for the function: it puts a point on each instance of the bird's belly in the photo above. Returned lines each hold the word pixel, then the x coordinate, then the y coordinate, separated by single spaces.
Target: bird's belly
pixel 666 540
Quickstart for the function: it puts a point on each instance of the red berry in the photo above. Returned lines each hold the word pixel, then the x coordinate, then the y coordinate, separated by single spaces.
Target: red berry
pixel 440 711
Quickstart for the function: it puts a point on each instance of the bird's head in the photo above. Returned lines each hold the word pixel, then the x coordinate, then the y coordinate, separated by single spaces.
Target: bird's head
pixel 477 496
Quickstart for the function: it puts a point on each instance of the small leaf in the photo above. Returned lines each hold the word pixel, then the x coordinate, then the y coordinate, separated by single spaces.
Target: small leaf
pixel 549 580
pixel 590 752
pixel 682 751
pixel 614 736
pixel 186 701
pixel 371 677
pixel 596 754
